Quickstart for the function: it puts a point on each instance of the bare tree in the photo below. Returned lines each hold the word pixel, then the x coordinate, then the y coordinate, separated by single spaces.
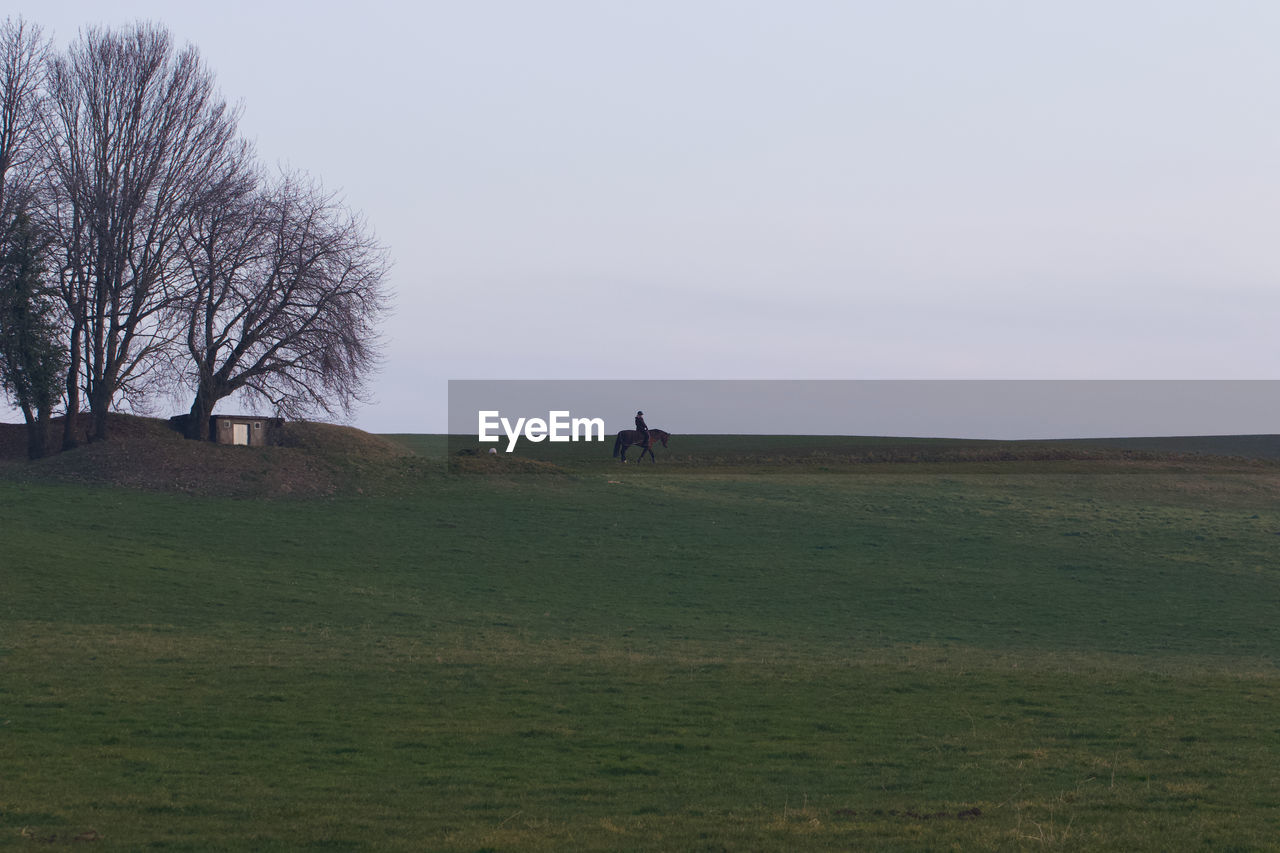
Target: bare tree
pixel 23 58
pixel 138 142
pixel 31 355
pixel 287 291
pixel 164 239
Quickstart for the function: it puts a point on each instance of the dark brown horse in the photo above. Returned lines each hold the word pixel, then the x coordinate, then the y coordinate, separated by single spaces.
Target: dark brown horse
pixel 632 438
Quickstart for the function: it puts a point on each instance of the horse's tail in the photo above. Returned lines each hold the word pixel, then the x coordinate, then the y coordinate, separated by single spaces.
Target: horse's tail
pixel 617 445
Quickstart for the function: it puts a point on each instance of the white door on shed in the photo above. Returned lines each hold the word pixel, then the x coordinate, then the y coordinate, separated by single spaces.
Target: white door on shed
pixel 239 433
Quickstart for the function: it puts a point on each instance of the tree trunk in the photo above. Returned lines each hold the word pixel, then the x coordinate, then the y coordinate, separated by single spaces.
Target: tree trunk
pixel 201 409
pixel 69 439
pixel 38 429
pixel 99 421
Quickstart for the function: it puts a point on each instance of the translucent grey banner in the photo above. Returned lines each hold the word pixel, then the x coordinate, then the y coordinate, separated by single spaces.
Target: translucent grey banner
pixel 973 409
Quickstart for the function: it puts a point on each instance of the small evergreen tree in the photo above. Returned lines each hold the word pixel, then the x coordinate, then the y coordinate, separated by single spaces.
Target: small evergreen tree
pixel 32 358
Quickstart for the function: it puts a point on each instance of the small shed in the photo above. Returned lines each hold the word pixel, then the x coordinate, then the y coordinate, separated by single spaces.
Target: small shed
pixel 251 430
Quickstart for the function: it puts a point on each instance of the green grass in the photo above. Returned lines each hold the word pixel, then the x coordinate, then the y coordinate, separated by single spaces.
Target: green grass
pixel 422 444
pixel 662 658
pixel 740 453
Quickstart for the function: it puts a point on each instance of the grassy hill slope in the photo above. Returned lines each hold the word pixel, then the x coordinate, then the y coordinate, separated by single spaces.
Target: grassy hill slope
pixel 321 459
pixel 312 459
pixel 649 658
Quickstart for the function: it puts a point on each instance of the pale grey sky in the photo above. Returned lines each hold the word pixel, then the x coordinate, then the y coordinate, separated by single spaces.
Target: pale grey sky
pixel 766 190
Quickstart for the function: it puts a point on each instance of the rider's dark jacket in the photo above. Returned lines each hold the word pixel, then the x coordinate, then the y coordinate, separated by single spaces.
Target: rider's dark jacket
pixel 643 429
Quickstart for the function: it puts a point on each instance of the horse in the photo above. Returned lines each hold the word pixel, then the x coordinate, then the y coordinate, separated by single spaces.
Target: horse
pixel 630 437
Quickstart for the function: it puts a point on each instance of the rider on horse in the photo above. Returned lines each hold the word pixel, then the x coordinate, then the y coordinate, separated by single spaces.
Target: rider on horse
pixel 642 429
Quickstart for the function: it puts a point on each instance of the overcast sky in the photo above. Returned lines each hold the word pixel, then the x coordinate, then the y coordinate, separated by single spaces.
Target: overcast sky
pixel 766 190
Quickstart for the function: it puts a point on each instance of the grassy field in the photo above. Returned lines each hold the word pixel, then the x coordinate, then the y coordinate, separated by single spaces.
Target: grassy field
pixel 757 644
pixel 819 453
